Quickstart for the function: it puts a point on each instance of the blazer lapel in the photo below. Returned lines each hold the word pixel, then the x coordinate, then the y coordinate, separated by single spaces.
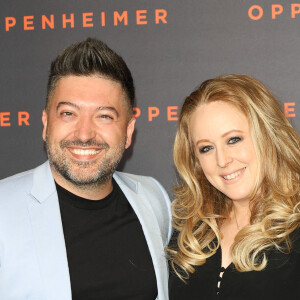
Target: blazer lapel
pixel 136 197
pixel 47 227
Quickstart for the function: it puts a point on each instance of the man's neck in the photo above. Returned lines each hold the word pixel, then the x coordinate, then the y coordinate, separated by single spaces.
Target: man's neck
pixel 89 191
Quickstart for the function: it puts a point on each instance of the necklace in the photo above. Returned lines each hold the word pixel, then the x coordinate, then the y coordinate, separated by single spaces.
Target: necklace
pixel 236 222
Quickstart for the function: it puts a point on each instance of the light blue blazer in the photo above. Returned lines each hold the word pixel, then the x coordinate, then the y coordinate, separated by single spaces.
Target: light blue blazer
pixel 33 259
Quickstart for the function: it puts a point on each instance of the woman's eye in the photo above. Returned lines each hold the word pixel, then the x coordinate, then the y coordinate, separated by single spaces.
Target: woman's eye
pixel 205 149
pixel 234 140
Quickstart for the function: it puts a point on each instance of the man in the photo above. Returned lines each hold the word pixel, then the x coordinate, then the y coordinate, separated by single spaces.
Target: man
pixel 73 228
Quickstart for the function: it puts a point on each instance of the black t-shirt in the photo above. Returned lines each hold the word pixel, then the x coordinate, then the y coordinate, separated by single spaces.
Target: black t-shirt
pixel 279 280
pixel 107 252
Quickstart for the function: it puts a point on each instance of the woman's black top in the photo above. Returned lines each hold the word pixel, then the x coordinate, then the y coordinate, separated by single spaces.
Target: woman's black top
pixel 279 280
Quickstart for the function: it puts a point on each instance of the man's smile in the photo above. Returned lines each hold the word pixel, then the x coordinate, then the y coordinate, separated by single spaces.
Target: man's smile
pixel 84 153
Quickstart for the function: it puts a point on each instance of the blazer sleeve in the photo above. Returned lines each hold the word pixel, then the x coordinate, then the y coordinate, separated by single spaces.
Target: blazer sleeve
pixel 165 212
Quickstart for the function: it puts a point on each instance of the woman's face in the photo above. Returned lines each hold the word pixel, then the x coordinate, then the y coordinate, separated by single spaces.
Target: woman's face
pixel 224 148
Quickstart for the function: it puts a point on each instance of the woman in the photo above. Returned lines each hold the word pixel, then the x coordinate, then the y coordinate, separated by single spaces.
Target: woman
pixel 236 211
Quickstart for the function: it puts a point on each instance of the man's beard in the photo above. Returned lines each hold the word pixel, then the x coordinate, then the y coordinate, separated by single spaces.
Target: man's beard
pixel 85 173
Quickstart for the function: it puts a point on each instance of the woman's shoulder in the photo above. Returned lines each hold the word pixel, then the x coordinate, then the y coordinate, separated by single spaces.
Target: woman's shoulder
pixel 278 258
pixel 295 239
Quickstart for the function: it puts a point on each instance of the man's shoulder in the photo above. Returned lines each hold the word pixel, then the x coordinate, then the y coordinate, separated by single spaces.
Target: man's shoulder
pixel 20 181
pixel 14 191
pixel 147 188
pixel 149 191
pixel 146 182
pixel 15 182
pixel 16 177
pixel 134 177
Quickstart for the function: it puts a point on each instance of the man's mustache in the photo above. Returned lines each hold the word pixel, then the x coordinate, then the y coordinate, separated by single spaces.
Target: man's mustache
pixel 89 143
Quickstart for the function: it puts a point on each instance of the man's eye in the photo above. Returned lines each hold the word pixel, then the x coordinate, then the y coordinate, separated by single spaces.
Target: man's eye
pixel 205 149
pixel 66 114
pixel 234 140
pixel 106 117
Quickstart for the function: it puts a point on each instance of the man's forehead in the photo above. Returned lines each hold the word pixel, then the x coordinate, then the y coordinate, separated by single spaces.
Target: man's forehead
pixel 88 78
pixel 88 86
pixel 77 89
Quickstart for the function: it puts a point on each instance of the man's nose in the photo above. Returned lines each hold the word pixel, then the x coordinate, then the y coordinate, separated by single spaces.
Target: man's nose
pixel 85 129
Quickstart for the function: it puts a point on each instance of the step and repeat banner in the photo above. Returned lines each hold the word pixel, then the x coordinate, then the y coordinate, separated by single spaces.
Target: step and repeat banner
pixel 170 46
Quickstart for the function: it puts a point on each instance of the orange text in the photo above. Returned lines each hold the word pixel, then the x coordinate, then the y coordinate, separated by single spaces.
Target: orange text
pixel 87 19
pixel 22 117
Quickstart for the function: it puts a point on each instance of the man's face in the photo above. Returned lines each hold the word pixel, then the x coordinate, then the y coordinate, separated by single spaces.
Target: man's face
pixel 86 129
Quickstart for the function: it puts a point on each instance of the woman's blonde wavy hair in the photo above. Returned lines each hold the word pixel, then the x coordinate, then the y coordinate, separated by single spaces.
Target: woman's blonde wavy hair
pixel 199 209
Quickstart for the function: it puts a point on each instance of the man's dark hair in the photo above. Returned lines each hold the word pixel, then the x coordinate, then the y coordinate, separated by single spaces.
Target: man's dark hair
pixel 91 57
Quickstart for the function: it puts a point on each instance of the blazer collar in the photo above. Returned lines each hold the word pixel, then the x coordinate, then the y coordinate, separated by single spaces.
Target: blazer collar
pixel 48 232
pixel 125 181
pixel 140 202
pixel 43 183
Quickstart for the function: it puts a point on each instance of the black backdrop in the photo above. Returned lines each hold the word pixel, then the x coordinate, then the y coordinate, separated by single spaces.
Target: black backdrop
pixel 170 46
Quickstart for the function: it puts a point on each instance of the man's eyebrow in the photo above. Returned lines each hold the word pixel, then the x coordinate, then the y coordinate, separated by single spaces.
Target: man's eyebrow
pixel 66 103
pixel 110 108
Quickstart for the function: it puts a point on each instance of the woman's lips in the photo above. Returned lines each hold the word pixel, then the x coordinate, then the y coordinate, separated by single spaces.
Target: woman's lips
pixel 234 176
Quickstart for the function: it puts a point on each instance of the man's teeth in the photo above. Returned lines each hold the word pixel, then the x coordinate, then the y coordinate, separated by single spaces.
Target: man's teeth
pixel 233 175
pixel 85 151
